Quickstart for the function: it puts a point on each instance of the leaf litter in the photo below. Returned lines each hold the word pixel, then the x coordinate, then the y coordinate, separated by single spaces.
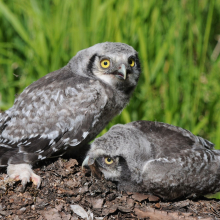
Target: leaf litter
pixel 69 193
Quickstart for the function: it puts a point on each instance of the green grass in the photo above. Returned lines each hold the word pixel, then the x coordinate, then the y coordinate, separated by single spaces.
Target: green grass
pixel 180 82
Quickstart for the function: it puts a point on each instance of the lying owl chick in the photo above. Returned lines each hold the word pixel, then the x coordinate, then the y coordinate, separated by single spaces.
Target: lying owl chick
pixel 64 110
pixel 157 158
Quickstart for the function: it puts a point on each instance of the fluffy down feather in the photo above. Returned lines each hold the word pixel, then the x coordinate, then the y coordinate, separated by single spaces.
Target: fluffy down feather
pixel 158 158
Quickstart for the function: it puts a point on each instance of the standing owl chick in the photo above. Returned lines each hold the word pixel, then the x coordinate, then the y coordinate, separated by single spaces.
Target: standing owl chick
pixel 67 108
pixel 157 158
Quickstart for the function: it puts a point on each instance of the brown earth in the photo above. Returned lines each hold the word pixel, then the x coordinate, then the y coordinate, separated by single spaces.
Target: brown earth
pixel 69 193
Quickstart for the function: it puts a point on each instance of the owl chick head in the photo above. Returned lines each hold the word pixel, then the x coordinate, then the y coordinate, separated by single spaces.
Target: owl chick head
pixel 119 155
pixel 116 64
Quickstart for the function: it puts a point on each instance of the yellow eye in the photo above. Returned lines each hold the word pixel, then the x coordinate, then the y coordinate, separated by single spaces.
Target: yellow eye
pixel 105 63
pixel 131 62
pixel 108 160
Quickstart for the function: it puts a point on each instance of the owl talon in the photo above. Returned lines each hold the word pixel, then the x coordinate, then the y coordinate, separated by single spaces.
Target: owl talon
pixel 36 180
pixel 24 182
pixel 24 173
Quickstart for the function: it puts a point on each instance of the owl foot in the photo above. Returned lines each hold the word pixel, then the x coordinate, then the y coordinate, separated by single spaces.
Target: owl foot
pixel 24 173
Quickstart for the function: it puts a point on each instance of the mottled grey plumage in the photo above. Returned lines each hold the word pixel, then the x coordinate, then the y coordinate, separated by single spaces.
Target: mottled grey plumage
pixel 67 108
pixel 158 158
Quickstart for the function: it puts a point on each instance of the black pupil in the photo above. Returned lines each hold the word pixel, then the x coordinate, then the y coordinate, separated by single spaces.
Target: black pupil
pixel 105 63
pixel 109 159
pixel 130 61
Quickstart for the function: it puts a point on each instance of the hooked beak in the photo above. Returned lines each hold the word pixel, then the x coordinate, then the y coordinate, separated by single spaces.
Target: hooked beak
pixel 122 72
pixel 87 162
pixel 92 164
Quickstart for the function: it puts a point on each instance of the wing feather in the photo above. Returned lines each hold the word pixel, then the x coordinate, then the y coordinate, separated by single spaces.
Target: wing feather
pixel 50 115
pixel 173 137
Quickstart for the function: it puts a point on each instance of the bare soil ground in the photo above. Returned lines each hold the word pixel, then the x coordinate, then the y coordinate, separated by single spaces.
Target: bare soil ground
pixel 69 193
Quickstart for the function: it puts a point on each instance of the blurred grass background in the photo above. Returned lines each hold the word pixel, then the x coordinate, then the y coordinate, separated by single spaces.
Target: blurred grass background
pixel 178 43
